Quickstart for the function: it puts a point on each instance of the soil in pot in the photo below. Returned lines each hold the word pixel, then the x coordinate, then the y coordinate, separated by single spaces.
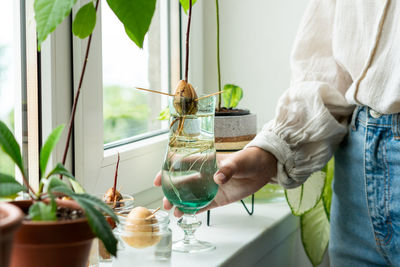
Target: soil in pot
pixel 10 219
pixel 231 112
pixel 65 243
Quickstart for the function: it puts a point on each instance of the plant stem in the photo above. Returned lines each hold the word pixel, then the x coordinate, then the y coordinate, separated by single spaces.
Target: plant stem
pixel 115 179
pixel 72 118
pixel 33 193
pixel 218 58
pixel 187 41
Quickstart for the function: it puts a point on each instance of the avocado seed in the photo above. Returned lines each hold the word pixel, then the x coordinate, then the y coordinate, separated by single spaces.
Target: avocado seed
pixel 110 198
pixel 141 232
pixel 185 99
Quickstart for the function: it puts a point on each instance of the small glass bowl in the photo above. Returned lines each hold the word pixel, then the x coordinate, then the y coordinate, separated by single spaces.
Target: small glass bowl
pixel 148 240
pixel 126 203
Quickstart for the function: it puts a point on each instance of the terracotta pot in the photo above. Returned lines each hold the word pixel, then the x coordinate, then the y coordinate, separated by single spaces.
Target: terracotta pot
pixel 49 244
pixel 10 219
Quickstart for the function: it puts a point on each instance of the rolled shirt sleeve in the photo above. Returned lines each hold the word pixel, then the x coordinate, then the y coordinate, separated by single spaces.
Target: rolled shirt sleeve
pixel 312 115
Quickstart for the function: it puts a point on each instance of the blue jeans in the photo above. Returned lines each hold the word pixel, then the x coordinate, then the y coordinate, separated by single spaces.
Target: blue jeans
pixel 365 213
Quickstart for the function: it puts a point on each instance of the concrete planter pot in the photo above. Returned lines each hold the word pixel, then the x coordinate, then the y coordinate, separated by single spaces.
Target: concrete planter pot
pixel 233 132
pixel 48 244
pixel 10 220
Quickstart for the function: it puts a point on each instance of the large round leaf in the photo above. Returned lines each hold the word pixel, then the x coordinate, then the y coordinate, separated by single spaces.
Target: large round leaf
pixel 305 197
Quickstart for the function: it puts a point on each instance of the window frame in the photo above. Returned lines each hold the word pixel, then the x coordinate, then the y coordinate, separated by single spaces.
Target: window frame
pixel 140 160
pixel 56 89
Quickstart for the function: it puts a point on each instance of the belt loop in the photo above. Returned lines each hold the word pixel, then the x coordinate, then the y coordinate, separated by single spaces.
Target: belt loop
pixel 395 126
pixel 354 117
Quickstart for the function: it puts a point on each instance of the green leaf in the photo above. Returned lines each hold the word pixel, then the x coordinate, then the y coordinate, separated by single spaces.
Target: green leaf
pixel 98 224
pixel 49 14
pixel 164 115
pixel 40 211
pixel 48 147
pixel 9 187
pixel 95 202
pixel 133 37
pixel 305 197
pixel 76 186
pixel 136 16
pixel 232 95
pixel 61 170
pixel 315 233
pixel 85 21
pixel 327 194
pixel 10 146
pixel 185 4
pixel 55 182
pixel 62 189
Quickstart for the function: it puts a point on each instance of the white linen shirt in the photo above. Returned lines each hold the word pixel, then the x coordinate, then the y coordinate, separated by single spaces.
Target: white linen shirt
pixel 330 75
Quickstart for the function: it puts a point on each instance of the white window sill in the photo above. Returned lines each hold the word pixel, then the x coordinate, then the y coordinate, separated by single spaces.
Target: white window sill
pixel 269 237
pixel 136 149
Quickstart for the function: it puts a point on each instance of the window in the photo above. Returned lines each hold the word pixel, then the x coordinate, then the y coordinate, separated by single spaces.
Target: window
pixel 122 119
pixel 7 74
pixel 12 78
pixel 19 88
pixel 130 114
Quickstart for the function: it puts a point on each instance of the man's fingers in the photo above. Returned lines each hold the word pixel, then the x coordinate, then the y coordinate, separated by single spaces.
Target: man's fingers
pixel 157 180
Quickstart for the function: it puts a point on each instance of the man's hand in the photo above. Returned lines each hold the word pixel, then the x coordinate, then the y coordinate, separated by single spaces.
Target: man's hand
pixel 240 174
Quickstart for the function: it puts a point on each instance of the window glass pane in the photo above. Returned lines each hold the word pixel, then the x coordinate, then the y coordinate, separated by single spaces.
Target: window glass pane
pixel 128 112
pixel 8 74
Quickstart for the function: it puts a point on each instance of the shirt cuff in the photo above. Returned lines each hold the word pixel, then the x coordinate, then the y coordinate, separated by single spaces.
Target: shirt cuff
pixel 270 142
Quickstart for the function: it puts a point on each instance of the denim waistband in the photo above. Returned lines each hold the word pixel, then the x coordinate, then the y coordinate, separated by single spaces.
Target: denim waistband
pixel 364 116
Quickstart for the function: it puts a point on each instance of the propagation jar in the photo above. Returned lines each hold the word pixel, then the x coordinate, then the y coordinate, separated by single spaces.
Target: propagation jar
pixel 146 241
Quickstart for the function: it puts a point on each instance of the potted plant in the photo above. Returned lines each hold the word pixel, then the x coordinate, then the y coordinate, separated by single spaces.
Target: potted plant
pixel 54 230
pixel 234 128
pixel 10 220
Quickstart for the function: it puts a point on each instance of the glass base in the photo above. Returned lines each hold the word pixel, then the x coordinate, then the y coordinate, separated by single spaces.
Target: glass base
pixel 194 246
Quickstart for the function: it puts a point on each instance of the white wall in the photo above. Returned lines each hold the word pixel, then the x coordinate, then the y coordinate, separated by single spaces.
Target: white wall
pixel 256 41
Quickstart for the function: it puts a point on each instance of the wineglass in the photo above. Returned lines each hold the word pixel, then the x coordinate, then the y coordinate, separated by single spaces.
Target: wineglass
pixel 188 170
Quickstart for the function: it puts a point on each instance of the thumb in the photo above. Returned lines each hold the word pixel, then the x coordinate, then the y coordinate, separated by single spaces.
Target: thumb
pixel 225 172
